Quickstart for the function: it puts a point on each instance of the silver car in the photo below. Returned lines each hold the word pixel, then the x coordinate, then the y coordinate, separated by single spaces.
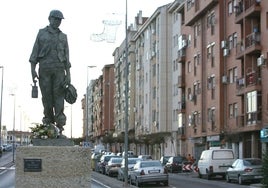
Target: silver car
pixel 121 171
pixel 247 169
pixel 149 171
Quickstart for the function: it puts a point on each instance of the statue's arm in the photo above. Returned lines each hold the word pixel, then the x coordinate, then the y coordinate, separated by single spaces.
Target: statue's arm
pixel 34 73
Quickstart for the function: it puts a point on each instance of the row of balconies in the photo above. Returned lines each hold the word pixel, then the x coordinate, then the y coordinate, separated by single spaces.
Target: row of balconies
pixel 247 9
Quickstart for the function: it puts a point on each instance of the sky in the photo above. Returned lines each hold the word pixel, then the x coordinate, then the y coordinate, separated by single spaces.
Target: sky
pixel 20 22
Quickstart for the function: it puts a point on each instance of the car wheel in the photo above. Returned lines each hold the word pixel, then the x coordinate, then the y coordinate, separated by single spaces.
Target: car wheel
pixel 165 183
pixel 137 183
pixel 199 174
pixel 240 181
pixel 227 178
pixel 208 175
pixel 130 181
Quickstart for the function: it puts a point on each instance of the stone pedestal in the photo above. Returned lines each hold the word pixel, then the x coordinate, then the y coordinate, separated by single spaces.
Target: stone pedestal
pixel 52 166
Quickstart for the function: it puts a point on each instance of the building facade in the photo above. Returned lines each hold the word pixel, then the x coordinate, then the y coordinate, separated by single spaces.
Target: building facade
pixel 197 78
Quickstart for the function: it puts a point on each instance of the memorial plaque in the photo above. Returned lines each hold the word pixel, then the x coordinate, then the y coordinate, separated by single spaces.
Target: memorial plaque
pixel 32 165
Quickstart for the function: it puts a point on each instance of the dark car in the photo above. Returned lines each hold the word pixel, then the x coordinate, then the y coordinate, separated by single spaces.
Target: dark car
pixel 104 161
pixel 113 166
pixel 174 164
pixel 245 170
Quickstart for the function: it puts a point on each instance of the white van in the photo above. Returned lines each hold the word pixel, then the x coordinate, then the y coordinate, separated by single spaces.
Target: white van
pixel 214 162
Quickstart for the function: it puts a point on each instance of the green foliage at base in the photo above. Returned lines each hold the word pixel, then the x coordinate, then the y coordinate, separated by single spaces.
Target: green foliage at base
pixel 44 131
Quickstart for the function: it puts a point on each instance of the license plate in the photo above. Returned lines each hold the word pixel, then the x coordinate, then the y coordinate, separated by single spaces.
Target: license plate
pixel 153 171
pixel 258 177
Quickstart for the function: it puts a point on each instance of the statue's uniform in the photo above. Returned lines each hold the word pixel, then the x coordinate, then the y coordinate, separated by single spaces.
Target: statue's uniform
pixel 51 51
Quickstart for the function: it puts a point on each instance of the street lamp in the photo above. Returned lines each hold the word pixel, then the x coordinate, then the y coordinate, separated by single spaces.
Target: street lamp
pixel 2 68
pixel 88 67
pixel 14 120
pixel 126 101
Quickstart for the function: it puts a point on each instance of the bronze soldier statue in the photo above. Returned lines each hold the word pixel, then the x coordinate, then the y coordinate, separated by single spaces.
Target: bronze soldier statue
pixel 51 52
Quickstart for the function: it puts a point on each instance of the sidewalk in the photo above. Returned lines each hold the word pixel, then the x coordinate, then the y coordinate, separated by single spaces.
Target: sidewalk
pixel 110 182
pixel 195 175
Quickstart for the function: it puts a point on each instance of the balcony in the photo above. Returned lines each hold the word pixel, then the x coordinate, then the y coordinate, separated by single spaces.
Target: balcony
pixel 181 133
pixel 181 55
pixel 196 9
pixel 250 82
pixel 251 46
pixel 181 81
pixel 249 119
pixel 181 107
pixel 247 9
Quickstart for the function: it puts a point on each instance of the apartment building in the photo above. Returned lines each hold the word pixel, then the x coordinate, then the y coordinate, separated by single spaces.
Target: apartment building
pixel 125 87
pixel 97 95
pixel 153 114
pixel 108 102
pixel 223 88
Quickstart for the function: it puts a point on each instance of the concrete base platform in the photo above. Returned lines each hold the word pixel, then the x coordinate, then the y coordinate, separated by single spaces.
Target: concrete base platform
pixel 52 166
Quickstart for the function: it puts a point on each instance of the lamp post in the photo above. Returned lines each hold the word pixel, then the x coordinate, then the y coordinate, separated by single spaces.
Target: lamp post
pixel 2 68
pixel 88 67
pixel 14 120
pixel 126 101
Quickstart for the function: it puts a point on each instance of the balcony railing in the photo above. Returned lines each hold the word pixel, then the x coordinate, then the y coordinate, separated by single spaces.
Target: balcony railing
pixel 252 39
pixel 251 45
pixel 249 119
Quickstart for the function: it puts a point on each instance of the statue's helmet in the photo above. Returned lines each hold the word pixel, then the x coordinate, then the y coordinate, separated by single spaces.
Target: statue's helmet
pixel 56 14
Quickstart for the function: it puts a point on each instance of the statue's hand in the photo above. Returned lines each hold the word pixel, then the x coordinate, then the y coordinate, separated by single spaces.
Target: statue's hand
pixel 67 80
pixel 34 75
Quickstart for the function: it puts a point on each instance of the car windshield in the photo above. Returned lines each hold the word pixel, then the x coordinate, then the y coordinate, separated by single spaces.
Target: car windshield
pixel 116 160
pixel 252 162
pixel 132 161
pixel 151 163
pixel 178 159
pixel 107 158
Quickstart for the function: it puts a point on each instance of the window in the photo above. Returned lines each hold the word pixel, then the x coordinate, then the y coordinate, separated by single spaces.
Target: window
pixel 231 112
pixel 230 8
pixel 252 101
pixel 235 40
pixel 175 16
pixel 175 40
pixel 212 55
pixel 235 110
pixel 235 74
pixel 230 43
pixel 154 92
pixel 231 76
pixel 213 90
pixel 189 94
pixel 211 114
pixel 189 68
pixel 195 65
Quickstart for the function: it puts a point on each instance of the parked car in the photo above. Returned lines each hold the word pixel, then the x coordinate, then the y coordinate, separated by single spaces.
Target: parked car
pixel 121 171
pixel 174 164
pixel 247 169
pixel 164 160
pixel 148 171
pixel 95 157
pixel 104 161
pixel 7 147
pixel 113 165
pixel 215 162
pixel 145 157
